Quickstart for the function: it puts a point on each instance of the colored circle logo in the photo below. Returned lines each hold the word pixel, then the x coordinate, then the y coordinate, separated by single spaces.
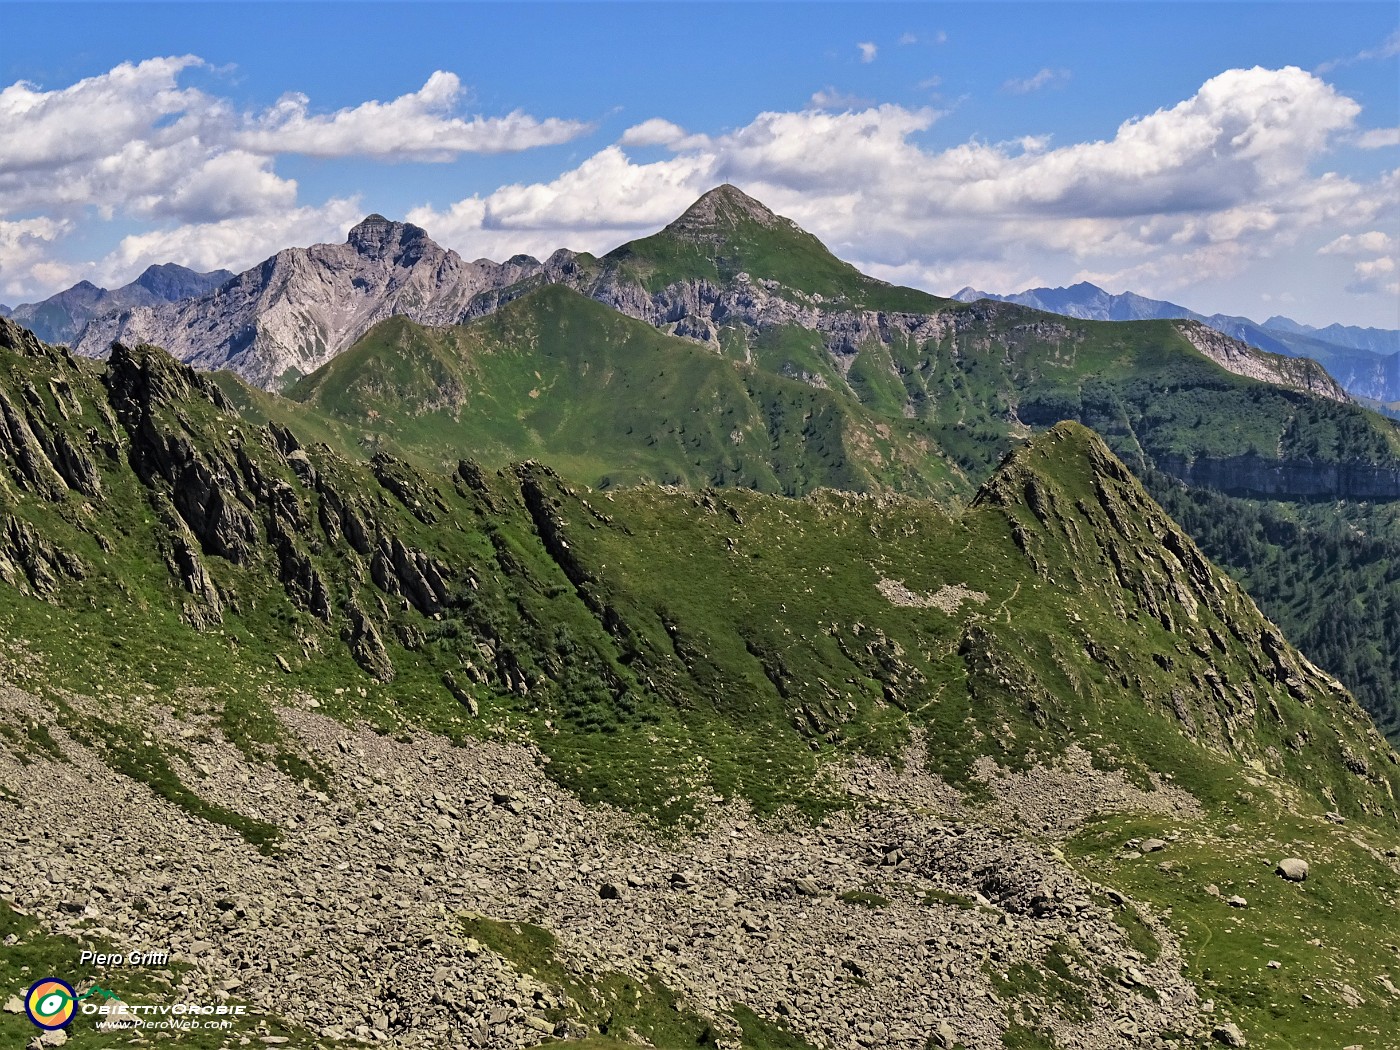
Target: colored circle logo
pixel 50 1003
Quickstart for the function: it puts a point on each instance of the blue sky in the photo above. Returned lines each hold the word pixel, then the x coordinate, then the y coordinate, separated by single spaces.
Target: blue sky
pixel 1236 157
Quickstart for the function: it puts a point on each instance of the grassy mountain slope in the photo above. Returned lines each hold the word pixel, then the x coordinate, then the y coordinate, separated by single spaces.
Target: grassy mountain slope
pixel 662 646
pixel 974 379
pixel 609 400
pixel 757 288
pixel 1331 579
pixel 726 233
pixel 655 613
pixel 969 381
pixel 1142 385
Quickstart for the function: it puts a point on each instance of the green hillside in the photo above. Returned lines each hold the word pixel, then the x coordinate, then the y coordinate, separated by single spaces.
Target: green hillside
pixel 662 647
pixel 927 409
pixel 610 401
pixel 726 233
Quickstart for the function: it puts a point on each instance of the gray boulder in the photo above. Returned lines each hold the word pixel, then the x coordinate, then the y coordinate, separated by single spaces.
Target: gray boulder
pixel 1292 869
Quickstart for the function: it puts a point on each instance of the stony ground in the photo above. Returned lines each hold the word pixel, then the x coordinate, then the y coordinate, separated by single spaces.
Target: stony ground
pixel 350 928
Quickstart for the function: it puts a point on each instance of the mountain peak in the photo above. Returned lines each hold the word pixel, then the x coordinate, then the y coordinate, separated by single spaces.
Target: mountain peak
pixel 723 208
pixel 172 282
pixel 376 236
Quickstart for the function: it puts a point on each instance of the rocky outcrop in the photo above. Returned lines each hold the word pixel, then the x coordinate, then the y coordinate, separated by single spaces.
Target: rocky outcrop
pixel 41 442
pixel 1256 477
pixel 292 313
pixel 142 384
pixel 1296 373
pixel 32 564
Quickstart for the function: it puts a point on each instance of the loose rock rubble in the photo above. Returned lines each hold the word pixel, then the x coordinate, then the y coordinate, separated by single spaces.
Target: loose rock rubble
pixel 351 928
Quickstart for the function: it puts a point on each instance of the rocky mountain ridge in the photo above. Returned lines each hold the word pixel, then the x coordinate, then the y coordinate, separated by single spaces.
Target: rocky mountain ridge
pixel 339 537
pixel 1366 362
pixel 61 318
pixel 895 745
pixel 298 309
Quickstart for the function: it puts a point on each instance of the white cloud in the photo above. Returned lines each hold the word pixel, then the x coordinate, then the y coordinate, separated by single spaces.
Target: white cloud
pixel 134 142
pixel 653 132
pixel 1379 138
pixel 1359 243
pixel 1200 191
pixel 418 127
pixel 830 98
pixel 1045 78
pixel 1374 277
pixel 1388 48
pixel 868 51
pixel 24 245
pixel 129 141
pixel 135 145
pixel 658 132
pixel 233 244
pixel 1204 190
pixel 45 130
pixel 906 39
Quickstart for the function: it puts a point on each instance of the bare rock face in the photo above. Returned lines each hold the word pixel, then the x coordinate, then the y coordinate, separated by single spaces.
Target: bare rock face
pixel 1297 373
pixel 295 311
pixel 720 209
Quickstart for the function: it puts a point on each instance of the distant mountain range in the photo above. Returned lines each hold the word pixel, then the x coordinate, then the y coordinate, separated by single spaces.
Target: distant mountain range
pixel 299 309
pixel 732 348
pixel 1366 361
pixel 292 313
pixel 1377 340
pixel 883 661
pixel 61 318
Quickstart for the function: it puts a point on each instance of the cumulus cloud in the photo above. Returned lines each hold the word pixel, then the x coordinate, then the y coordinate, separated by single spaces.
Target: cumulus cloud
pixel 1359 243
pixel 1045 78
pixel 129 140
pixel 233 244
pixel 419 126
pixel 868 51
pixel 135 144
pixel 653 132
pixel 92 119
pixel 1200 190
pixel 23 245
pixel 658 132
pixel 1374 277
pixel 1379 138
pixel 1196 191
pixel 133 141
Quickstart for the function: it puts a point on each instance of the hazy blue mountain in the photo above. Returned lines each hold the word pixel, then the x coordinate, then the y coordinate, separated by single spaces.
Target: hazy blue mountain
pixel 1377 340
pixel 1366 361
pixel 60 317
